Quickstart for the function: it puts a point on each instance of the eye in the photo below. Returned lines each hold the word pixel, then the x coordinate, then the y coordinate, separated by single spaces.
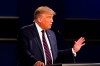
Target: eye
pixel 49 17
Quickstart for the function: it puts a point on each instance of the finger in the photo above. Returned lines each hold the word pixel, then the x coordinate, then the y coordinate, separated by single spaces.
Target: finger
pixel 42 64
pixel 81 39
pixel 83 44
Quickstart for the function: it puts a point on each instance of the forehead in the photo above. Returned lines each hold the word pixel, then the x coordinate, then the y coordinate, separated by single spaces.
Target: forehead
pixel 47 14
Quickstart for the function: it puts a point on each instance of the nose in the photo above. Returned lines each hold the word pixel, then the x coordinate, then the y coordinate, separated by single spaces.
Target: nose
pixel 51 19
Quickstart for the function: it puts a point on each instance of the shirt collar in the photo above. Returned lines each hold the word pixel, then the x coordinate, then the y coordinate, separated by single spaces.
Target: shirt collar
pixel 38 27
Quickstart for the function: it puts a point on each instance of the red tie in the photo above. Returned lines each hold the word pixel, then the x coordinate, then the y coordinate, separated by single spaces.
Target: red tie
pixel 47 52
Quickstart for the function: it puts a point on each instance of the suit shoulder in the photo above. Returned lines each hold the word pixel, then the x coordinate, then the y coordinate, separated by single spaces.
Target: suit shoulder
pixel 51 32
pixel 26 26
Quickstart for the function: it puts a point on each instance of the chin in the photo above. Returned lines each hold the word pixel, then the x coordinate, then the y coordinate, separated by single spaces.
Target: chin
pixel 48 28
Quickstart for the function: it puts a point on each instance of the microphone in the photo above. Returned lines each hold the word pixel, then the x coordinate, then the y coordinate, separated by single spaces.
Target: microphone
pixel 60 36
pixel 63 38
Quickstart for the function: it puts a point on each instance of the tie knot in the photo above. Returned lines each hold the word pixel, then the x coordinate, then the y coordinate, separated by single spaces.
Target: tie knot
pixel 42 31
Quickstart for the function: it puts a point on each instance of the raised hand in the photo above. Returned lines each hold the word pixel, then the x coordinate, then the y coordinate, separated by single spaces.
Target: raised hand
pixel 78 44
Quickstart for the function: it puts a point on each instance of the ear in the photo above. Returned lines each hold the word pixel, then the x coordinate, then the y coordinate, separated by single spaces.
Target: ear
pixel 39 19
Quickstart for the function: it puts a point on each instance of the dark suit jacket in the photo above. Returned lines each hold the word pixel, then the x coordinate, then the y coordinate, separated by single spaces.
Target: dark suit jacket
pixel 30 48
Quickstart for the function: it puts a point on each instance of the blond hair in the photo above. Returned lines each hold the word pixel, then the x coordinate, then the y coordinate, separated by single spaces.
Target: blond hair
pixel 42 10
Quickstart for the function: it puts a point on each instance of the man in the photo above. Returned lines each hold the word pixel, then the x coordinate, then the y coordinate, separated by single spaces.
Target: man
pixel 33 38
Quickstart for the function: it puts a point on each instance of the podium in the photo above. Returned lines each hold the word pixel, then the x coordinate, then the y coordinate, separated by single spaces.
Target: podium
pixel 76 64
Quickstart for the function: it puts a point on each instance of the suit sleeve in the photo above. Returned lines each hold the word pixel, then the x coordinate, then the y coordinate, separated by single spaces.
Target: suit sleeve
pixel 24 55
pixel 62 55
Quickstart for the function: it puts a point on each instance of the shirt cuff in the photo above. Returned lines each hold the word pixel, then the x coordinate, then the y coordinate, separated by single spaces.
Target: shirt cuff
pixel 74 52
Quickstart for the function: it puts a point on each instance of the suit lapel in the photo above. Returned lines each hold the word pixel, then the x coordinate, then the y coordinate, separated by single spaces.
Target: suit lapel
pixel 51 42
pixel 36 37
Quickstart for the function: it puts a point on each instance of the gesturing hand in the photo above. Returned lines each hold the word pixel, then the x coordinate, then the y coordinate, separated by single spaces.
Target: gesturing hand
pixel 78 44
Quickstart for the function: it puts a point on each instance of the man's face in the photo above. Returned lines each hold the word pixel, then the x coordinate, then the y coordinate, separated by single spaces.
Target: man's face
pixel 46 21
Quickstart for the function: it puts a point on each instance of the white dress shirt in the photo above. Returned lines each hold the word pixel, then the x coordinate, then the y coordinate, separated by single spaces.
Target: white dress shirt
pixel 40 34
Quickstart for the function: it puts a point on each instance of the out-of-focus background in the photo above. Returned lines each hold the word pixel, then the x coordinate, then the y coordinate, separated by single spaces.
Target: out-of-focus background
pixel 75 18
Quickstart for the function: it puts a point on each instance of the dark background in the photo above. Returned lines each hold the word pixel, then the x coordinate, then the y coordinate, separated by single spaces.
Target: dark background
pixel 70 21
